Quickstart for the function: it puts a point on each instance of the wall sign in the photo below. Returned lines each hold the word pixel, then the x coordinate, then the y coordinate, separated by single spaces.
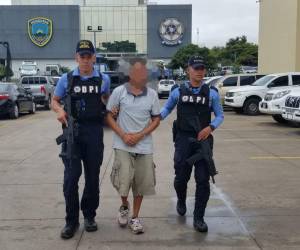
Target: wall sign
pixel 171 31
pixel 40 30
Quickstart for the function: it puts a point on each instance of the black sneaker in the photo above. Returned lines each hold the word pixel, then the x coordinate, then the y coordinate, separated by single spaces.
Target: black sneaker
pixel 69 230
pixel 200 225
pixel 181 207
pixel 90 225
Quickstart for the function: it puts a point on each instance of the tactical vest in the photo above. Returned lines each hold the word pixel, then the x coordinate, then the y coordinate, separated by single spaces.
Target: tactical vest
pixel 193 111
pixel 86 103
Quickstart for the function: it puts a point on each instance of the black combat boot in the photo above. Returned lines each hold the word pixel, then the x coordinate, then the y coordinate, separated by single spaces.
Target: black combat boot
pixel 181 207
pixel 90 225
pixel 200 225
pixel 69 230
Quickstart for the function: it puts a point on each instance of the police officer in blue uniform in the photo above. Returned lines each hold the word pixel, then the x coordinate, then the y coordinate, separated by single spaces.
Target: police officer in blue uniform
pixel 89 92
pixel 195 102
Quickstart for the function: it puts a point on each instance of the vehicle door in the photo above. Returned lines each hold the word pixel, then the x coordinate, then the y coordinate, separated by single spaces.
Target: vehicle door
pixel 247 80
pixel 280 81
pixel 228 84
pixel 22 98
pixel 296 80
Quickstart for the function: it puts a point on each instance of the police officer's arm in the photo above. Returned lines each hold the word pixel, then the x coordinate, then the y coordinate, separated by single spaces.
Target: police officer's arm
pixel 219 116
pixel 57 108
pixel 151 127
pixel 59 92
pixel 170 104
pixel 105 88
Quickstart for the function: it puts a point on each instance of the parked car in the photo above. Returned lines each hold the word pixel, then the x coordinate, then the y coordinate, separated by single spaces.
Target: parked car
pixel 248 70
pixel 246 99
pixel 212 81
pixel 164 87
pixel 55 79
pixel 230 82
pixel 53 70
pixel 28 68
pixel 116 79
pixel 291 109
pixel 14 100
pixel 274 102
pixel 42 88
pixel 225 70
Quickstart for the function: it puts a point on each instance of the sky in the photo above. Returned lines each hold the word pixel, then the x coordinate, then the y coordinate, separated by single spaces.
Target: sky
pixel 218 20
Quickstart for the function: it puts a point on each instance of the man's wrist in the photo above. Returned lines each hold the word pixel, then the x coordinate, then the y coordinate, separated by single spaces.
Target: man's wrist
pixel 143 134
pixel 212 127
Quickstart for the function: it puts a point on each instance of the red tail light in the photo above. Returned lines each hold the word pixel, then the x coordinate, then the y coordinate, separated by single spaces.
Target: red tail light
pixel 4 96
pixel 43 90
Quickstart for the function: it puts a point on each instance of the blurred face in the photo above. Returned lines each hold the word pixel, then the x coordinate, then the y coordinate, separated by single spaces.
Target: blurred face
pixel 196 75
pixel 85 62
pixel 138 74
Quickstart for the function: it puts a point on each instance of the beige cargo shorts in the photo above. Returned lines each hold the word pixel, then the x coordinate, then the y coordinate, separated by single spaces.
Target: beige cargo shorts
pixel 136 171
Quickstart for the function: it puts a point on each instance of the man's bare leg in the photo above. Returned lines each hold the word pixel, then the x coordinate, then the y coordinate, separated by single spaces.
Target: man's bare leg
pixel 137 202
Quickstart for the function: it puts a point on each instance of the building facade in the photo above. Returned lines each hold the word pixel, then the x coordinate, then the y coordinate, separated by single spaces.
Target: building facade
pixel 157 30
pixel 279 36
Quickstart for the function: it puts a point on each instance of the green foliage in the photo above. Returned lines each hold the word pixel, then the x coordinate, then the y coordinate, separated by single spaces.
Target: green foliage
pixel 2 71
pixel 118 46
pixel 65 69
pixel 183 54
pixel 5 71
pixel 238 51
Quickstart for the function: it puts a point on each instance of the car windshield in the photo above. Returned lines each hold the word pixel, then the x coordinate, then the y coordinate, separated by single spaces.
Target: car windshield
pixel 263 81
pixel 4 87
pixel 29 67
pixel 167 82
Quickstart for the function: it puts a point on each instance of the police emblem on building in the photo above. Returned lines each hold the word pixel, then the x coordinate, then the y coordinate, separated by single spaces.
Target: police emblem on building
pixel 40 30
pixel 171 31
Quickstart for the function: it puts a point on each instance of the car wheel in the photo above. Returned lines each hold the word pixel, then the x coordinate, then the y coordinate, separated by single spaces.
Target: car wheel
pixel 47 104
pixel 14 113
pixel 33 108
pixel 279 119
pixel 251 106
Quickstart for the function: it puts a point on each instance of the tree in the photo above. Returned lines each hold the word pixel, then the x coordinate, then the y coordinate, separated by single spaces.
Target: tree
pixel 238 51
pixel 182 56
pixel 118 46
pixel 65 69
pixel 2 71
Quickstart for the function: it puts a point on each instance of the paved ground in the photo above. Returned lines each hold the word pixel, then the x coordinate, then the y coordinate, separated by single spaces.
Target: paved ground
pixel 254 205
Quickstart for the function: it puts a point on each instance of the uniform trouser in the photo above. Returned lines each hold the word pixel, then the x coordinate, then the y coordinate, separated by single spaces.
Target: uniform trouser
pixel 89 149
pixel 184 150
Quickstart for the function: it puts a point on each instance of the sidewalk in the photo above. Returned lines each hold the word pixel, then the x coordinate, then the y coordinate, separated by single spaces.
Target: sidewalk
pixel 238 215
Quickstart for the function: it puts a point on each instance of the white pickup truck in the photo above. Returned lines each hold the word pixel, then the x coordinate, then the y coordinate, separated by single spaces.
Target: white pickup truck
pixel 291 109
pixel 274 102
pixel 246 99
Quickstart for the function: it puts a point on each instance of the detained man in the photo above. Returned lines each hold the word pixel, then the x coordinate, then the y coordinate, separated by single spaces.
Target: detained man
pixel 138 117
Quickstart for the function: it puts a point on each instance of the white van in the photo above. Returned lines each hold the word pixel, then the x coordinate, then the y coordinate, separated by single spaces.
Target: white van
pixel 29 68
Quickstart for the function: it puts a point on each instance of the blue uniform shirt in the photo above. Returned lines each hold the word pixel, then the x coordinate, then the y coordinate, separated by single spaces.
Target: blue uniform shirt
pixel 214 103
pixel 62 84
